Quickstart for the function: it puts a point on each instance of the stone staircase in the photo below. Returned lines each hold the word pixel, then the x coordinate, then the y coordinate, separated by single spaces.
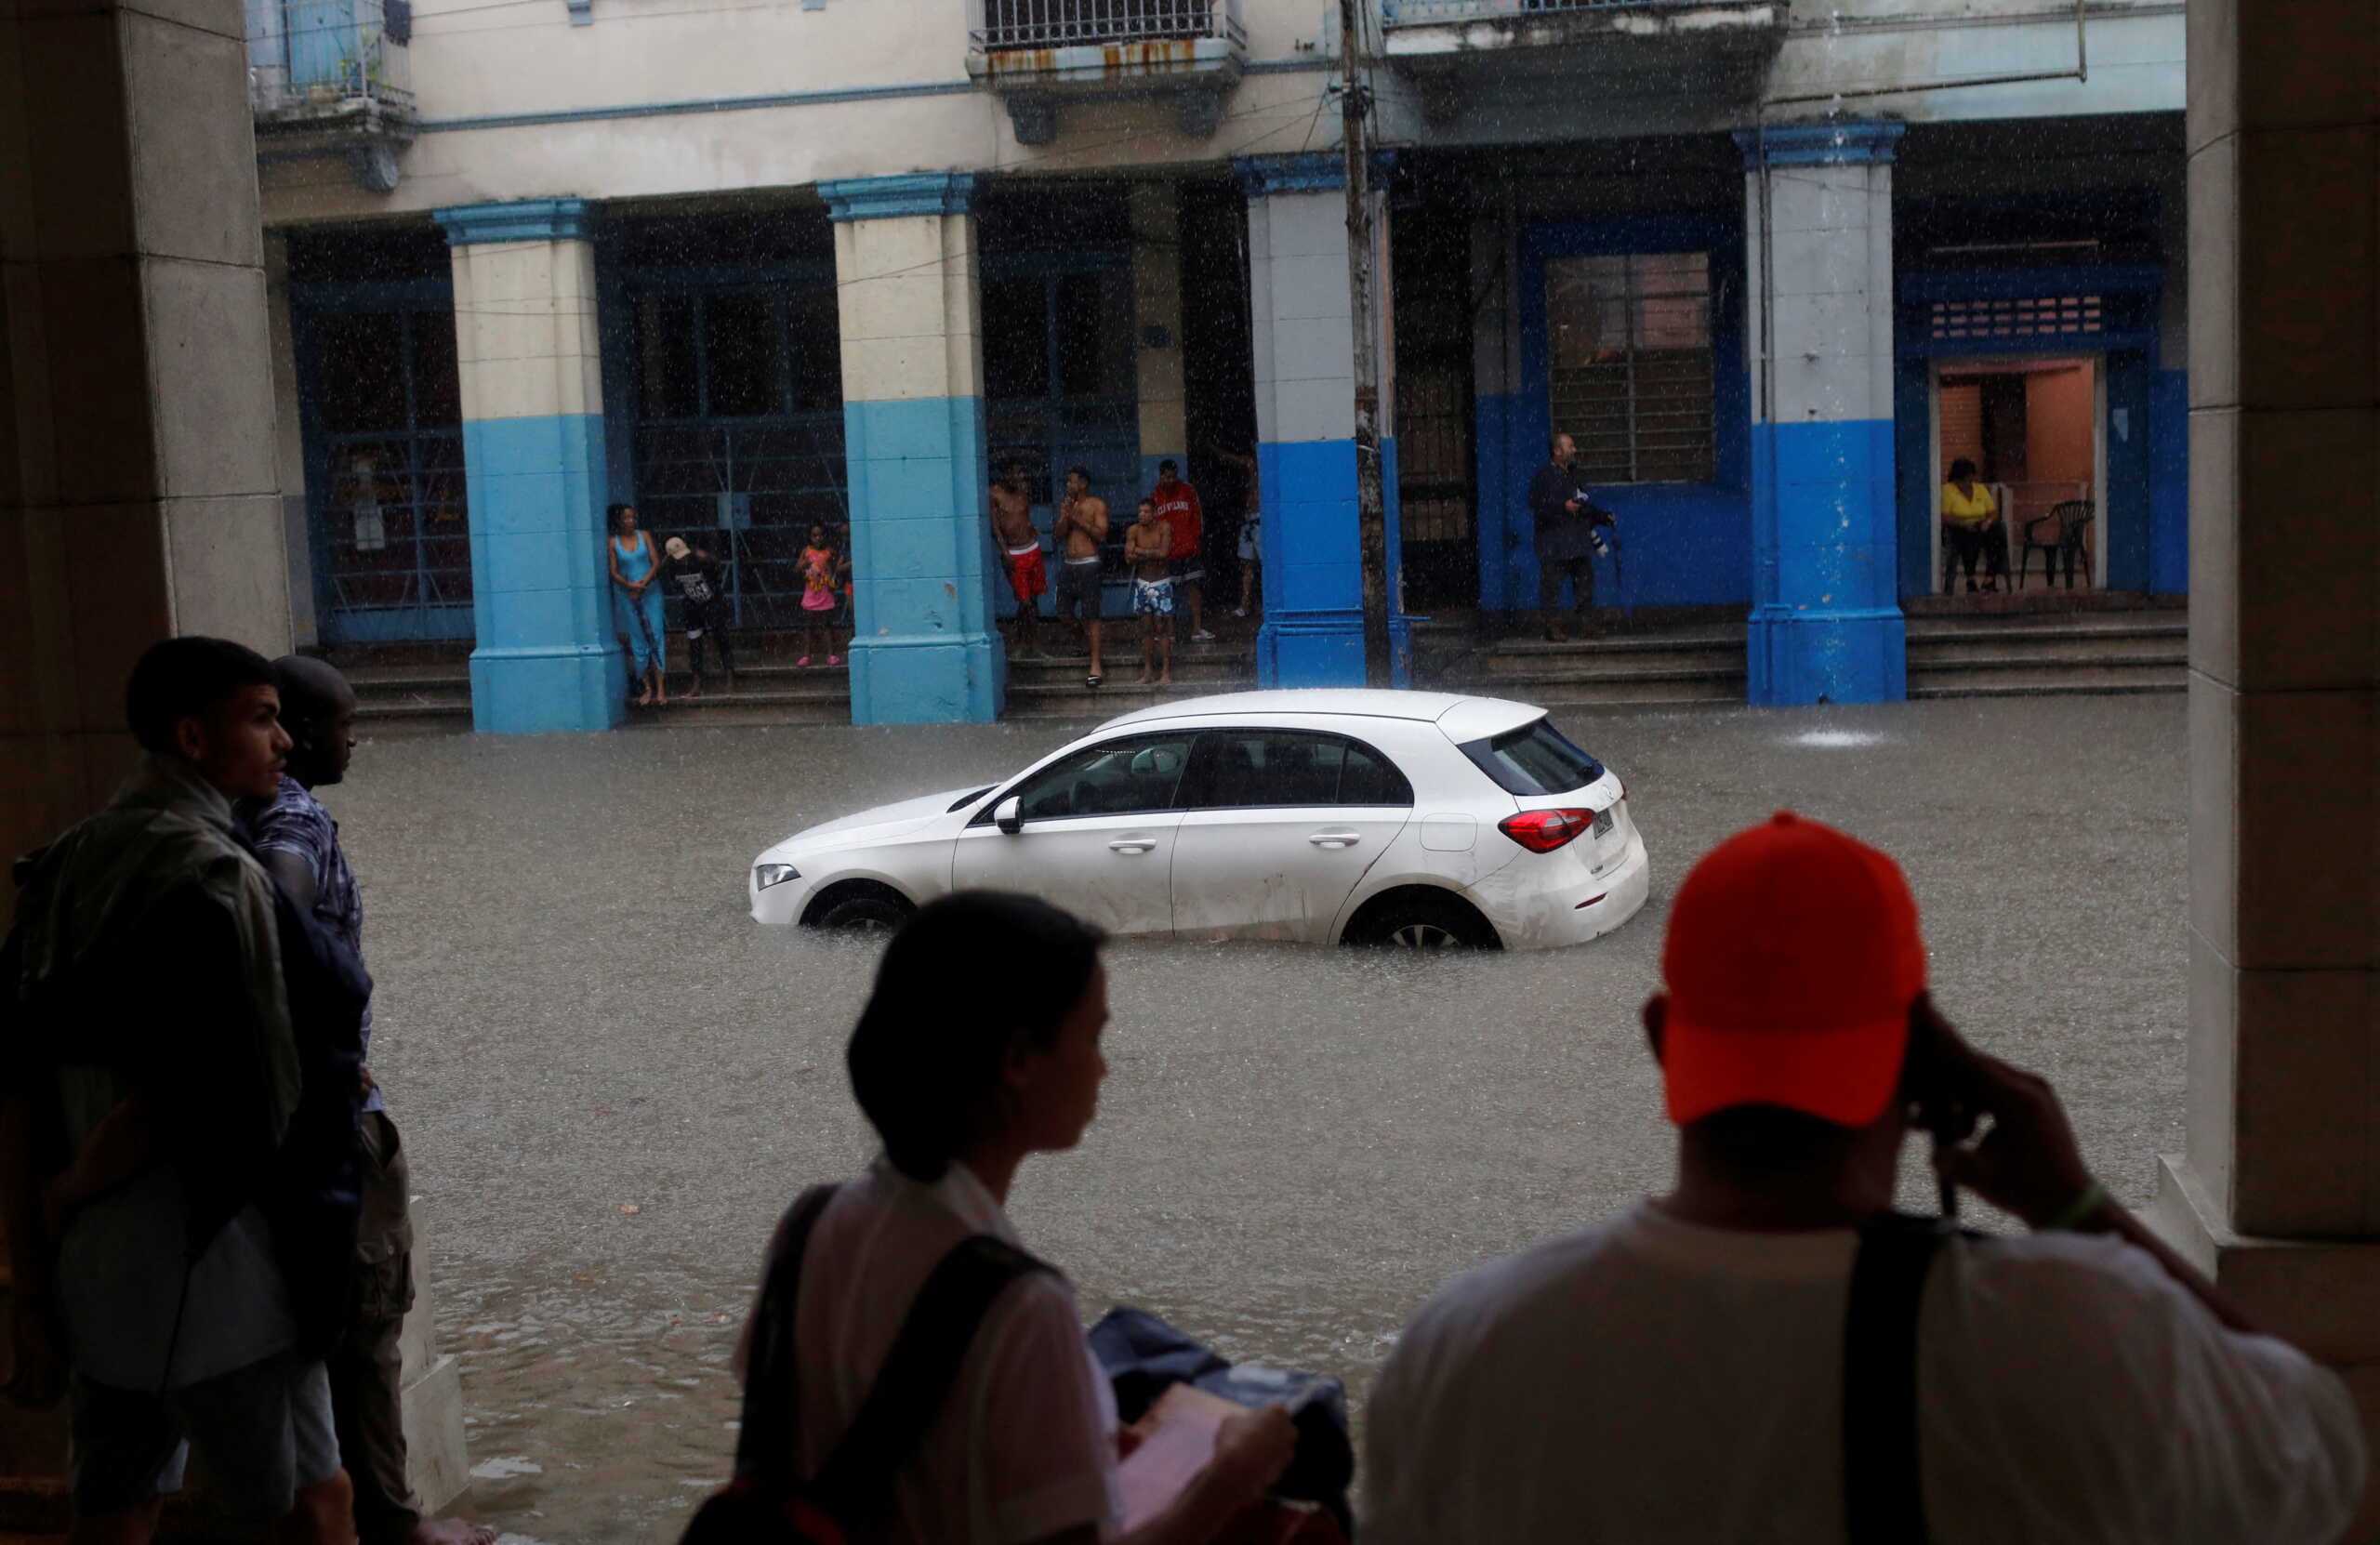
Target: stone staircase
pixel 774 692
pixel 1052 687
pixel 2023 656
pixel 1693 665
pixel 429 697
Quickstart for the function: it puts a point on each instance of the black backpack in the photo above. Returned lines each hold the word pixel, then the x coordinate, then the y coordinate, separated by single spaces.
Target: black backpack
pixel 767 1504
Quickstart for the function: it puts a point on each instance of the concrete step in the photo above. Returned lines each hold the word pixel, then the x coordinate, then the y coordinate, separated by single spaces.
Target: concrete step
pixel 1929 644
pixel 756 700
pixel 1119 695
pixel 1616 687
pixel 1226 669
pixel 2029 679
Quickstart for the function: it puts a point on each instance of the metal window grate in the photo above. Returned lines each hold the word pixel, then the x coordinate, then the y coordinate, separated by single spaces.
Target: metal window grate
pixel 1632 380
pixel 1019 24
pixel 2044 316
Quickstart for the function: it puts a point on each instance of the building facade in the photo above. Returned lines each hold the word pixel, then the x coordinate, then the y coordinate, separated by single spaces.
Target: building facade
pixel 756 267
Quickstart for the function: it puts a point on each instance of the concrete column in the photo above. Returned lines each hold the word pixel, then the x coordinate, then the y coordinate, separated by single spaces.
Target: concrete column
pixel 136 495
pixel 548 656
pixel 1157 313
pixel 2278 1194
pixel 289 444
pixel 924 650
pixel 1826 620
pixel 1313 634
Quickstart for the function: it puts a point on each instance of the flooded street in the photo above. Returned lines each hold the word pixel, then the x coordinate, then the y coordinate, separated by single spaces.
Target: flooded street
pixel 610 1081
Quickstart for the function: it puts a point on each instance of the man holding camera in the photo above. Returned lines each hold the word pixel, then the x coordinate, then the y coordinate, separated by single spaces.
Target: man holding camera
pixel 1567 541
pixel 1768 1353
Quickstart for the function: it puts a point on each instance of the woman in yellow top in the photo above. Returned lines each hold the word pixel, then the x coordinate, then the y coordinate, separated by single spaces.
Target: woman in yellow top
pixel 1971 524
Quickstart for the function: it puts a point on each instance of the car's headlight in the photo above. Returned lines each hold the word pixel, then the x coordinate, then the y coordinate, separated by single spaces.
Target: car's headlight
pixel 766 875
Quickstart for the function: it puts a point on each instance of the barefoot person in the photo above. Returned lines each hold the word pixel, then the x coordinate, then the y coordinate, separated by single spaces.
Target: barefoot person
pixel 1147 543
pixel 1177 505
pixel 1024 1446
pixel 1080 527
pixel 1020 542
pixel 297 841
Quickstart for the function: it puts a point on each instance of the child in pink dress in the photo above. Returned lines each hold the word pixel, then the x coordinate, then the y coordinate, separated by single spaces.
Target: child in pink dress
pixel 818 598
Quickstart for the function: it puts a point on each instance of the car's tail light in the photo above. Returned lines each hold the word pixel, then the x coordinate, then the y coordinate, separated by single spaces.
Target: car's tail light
pixel 1541 831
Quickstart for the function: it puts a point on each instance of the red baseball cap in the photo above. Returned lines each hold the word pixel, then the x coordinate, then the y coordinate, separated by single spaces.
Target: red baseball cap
pixel 1792 961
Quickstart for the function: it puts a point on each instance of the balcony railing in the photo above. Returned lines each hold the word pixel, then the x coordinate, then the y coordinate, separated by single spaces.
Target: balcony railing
pixel 1010 25
pixel 1423 13
pixel 332 77
pixel 316 57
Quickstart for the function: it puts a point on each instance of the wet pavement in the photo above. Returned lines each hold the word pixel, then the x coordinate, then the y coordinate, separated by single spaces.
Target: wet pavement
pixel 609 1080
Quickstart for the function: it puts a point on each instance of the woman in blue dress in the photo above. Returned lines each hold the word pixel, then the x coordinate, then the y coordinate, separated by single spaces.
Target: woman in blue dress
pixel 636 604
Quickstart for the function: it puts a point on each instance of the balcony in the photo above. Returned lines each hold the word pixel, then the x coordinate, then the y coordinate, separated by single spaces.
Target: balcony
pixel 1714 53
pixel 1039 54
pixel 333 79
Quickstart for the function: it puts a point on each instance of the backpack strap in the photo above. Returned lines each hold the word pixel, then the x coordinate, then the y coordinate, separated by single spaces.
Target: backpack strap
pixel 1883 1500
pixel 855 1485
pixel 764 1444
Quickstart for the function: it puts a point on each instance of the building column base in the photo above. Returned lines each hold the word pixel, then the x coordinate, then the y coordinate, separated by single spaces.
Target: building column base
pixel 2317 1293
pixel 1796 656
pixel 928 680
pixel 541 690
pixel 1324 649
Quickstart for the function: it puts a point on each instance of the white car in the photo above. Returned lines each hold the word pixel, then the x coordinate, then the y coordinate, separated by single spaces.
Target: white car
pixel 1405 818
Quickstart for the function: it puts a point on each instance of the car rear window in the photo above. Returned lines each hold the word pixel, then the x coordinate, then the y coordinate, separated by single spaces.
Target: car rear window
pixel 1535 758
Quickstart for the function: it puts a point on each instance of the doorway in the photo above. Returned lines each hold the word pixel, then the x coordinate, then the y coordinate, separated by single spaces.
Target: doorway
pixel 2033 429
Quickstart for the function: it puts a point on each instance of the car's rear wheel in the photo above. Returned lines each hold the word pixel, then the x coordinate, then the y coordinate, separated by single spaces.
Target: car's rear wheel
pixel 1418 920
pixel 864 912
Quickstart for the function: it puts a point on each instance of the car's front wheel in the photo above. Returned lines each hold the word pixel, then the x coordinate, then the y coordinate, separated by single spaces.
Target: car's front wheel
pixel 1418 920
pixel 866 912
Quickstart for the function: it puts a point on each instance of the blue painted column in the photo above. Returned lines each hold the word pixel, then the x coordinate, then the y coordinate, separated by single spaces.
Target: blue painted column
pixel 1313 634
pixel 923 648
pixel 549 657
pixel 1826 620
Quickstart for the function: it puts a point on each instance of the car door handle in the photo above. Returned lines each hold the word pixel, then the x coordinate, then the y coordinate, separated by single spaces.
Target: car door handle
pixel 1336 838
pixel 1133 845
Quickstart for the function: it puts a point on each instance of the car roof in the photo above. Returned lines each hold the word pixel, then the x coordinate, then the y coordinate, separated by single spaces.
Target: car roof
pixel 1472 717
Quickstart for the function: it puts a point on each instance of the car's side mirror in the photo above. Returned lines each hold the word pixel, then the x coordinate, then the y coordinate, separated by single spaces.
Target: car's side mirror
pixel 1006 815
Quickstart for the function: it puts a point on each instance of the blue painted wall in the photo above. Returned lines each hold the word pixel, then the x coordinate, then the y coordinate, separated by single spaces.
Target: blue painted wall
pixel 545 659
pixel 2169 481
pixel 923 647
pixel 1684 544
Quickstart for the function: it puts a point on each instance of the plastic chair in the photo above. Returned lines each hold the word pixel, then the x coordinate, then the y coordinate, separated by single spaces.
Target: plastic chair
pixel 2062 535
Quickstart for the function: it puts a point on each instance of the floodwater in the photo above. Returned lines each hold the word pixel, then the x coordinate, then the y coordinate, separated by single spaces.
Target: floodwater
pixel 610 1081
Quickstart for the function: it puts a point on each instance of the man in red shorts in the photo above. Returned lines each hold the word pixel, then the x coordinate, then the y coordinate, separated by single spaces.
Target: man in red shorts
pixel 1020 542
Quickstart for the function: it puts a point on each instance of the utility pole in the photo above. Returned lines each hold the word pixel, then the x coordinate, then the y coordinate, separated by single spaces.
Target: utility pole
pixel 1371 502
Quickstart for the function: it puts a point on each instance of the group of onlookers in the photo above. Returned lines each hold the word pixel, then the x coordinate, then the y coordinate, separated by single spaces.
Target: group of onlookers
pixel 204 1198
pixel 1164 555
pixel 641 578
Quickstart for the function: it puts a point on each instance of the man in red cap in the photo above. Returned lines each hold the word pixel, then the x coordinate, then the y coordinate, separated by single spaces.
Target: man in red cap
pixel 1768 1354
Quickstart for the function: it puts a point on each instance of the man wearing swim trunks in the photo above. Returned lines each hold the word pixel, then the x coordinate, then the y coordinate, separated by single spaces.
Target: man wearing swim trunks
pixel 1177 505
pixel 1147 544
pixel 1079 528
pixel 1020 542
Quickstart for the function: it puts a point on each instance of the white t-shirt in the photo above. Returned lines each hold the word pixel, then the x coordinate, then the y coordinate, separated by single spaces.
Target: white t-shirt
pixel 1650 1380
pixel 1025 1445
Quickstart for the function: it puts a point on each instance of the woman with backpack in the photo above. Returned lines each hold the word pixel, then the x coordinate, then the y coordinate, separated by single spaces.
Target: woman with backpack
pixel 995 1426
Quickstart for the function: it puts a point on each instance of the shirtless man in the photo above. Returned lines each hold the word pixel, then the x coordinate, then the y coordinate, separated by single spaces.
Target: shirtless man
pixel 1080 526
pixel 1147 546
pixel 1020 542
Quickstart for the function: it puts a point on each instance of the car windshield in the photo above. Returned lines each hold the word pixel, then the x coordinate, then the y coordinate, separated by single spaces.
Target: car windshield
pixel 1535 758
